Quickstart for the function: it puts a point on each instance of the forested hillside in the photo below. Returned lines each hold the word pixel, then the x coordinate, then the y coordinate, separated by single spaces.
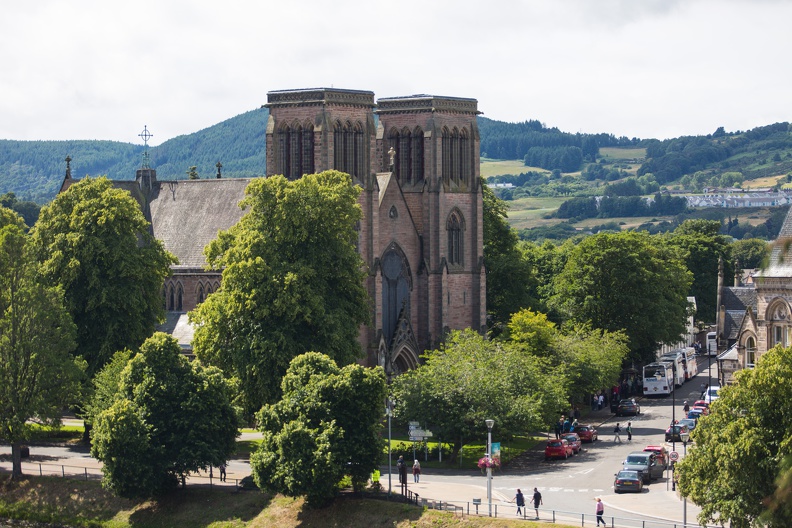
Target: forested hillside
pixel 34 170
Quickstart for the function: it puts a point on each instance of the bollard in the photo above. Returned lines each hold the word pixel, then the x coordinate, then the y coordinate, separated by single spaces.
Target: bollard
pixel 86 474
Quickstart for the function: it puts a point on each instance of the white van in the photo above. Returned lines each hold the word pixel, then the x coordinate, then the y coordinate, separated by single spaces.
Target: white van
pixel 712 343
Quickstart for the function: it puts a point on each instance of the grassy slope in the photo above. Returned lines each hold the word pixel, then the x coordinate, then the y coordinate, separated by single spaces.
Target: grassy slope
pixel 86 504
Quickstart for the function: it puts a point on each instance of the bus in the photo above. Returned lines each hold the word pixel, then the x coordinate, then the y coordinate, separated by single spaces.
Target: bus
pixel 712 344
pixel 690 361
pixel 677 360
pixel 658 378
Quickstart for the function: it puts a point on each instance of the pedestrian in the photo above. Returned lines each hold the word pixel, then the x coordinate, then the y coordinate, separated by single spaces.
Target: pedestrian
pixel 703 388
pixel 616 433
pixel 600 401
pixel 600 512
pixel 402 470
pixel 416 470
pixel 223 472
pixel 558 426
pixel 686 407
pixel 537 499
pixel 574 424
pixel 629 431
pixel 567 426
pixel 594 402
pixel 520 500
pixel 576 413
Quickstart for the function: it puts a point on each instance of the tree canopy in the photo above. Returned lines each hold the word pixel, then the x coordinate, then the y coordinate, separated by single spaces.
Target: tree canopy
pixel 326 426
pixel 169 417
pixel 626 281
pixel 94 242
pixel 471 379
pixel 739 467
pixel 38 374
pixel 292 283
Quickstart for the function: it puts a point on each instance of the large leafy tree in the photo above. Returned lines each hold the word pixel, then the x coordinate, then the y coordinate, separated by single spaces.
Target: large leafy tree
pixel 38 375
pixel 326 426
pixel 626 281
pixel 169 417
pixel 509 277
pixel 292 283
pixel 94 241
pixel 738 469
pixel 701 246
pixel 471 379
pixel 750 253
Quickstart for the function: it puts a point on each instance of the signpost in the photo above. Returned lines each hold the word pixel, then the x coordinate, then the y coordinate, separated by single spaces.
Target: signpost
pixel 674 456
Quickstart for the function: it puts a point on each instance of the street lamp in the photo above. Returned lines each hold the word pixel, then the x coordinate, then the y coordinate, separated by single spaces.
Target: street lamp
pixel 489 423
pixel 390 460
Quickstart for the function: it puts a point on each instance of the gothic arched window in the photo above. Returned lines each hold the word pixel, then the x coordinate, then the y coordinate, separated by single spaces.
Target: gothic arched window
pixel 395 290
pixel 179 297
pixel 171 302
pixel 455 227
pixel 200 293
pixel 750 352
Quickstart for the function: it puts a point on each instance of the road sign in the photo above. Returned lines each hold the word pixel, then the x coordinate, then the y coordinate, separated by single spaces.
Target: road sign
pixel 674 456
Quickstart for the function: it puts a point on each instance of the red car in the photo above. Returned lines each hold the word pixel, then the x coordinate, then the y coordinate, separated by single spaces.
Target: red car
pixel 587 433
pixel 701 403
pixel 558 449
pixel 574 441
pixel 662 454
pixel 704 410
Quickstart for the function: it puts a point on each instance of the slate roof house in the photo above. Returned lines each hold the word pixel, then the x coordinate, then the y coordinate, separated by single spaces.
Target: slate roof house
pixel 753 318
pixel 416 159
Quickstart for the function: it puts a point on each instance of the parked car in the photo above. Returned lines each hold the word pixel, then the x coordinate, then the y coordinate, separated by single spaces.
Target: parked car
pixel 701 403
pixel 627 480
pixel 628 406
pixel 587 433
pixel 574 441
pixel 558 449
pixel 662 454
pixel 704 410
pixel 695 414
pixel 677 433
pixel 710 394
pixel 689 422
pixel 645 464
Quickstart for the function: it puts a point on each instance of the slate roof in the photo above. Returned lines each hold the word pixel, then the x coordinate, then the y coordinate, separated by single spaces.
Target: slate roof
pixel 739 298
pixel 732 323
pixel 177 325
pixel 187 214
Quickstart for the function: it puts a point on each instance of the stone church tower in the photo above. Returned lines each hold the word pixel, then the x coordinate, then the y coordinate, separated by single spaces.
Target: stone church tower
pixel 421 236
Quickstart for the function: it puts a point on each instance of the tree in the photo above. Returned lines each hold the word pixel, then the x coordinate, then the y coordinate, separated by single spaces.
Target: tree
pixel 626 281
pixel 470 379
pixel 326 426
pixel 750 253
pixel 38 375
pixel 192 172
pixel 169 417
pixel 509 276
pixel 94 242
pixel 738 467
pixel 701 246
pixel 292 282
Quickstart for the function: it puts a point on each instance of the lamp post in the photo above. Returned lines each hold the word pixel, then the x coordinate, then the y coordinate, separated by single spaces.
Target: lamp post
pixel 489 423
pixel 684 499
pixel 390 460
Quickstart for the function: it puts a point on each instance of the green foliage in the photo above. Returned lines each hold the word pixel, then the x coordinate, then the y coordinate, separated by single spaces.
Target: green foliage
pixel 738 461
pixel 625 281
pixel 470 379
pixel 106 384
pixel 505 265
pixel 292 282
pixel 38 375
pixel 192 173
pixel 326 426
pixel 94 242
pixel 29 211
pixel 750 253
pixel 169 417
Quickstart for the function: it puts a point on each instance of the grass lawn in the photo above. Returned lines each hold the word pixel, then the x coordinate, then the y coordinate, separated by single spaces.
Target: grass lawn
pixel 86 504
pixel 490 167
pixel 616 153
pixel 529 211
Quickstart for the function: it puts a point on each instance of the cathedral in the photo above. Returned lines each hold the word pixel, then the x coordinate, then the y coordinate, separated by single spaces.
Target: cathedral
pixel 416 159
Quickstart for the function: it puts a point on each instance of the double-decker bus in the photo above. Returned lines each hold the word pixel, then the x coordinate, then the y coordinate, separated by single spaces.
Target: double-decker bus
pixel 658 378
pixel 677 360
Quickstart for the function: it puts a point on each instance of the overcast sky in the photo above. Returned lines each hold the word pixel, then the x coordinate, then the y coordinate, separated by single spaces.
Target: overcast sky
pixel 99 69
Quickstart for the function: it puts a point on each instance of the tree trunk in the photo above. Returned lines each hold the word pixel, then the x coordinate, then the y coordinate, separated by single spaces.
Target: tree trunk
pixel 16 460
pixel 455 450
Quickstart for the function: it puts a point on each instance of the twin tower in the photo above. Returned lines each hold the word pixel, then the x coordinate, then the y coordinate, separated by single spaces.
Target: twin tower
pixel 416 159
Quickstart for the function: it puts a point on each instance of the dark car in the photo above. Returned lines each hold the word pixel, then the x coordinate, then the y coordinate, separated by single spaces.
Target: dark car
pixel 645 464
pixel 677 433
pixel 628 480
pixel 558 449
pixel 628 406
pixel 689 422
pixel 695 414
pixel 574 441
pixel 587 433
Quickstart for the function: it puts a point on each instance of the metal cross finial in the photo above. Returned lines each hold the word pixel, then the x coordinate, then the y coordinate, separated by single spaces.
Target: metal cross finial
pixel 68 166
pixel 146 135
pixel 219 166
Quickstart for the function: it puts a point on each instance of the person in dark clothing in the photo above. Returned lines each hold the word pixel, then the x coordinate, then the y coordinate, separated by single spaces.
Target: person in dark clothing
pixel 537 500
pixel 520 500
pixel 558 426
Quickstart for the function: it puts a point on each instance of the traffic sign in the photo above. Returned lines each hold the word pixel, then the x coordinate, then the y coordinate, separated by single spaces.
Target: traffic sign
pixel 674 456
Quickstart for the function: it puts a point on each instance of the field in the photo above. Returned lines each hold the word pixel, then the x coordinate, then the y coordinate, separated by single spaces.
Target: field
pixel 491 167
pixel 616 153
pixel 86 504
pixel 528 212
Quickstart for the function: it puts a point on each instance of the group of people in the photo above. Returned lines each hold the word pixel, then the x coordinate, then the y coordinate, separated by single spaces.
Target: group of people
pixel 520 500
pixel 401 466
pixel 565 425
pixel 617 432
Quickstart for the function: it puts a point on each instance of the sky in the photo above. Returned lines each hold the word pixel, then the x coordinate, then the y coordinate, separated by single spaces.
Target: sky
pixel 98 69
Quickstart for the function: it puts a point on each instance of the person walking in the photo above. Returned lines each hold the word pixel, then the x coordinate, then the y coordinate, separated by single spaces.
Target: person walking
pixel 629 431
pixel 222 472
pixel 537 500
pixel 686 407
pixel 617 433
pixel 600 512
pixel 416 471
pixel 401 468
pixel 558 426
pixel 601 401
pixel 520 500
